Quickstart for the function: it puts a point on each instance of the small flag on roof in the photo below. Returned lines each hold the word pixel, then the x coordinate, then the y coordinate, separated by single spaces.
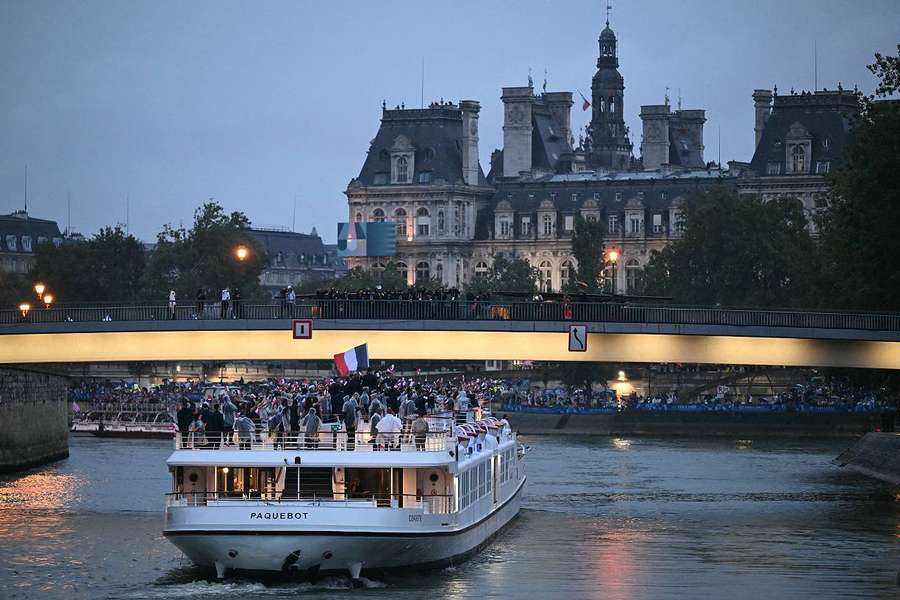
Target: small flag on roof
pixel 585 105
pixel 353 359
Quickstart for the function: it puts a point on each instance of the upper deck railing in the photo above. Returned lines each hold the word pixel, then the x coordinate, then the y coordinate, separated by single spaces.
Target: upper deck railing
pixel 459 310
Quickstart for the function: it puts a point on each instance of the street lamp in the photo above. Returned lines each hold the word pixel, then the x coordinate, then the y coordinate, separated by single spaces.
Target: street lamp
pixel 242 252
pixel 48 300
pixel 39 289
pixel 24 308
pixel 613 257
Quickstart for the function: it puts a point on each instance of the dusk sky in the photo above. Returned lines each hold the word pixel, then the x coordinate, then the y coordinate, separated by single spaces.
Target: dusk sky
pixel 259 103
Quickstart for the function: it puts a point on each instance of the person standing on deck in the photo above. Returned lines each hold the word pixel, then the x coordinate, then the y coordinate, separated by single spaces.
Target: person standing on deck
pixel 350 416
pixel 311 423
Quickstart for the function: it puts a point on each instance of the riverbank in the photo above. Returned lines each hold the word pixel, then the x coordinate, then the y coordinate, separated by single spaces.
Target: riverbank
pixel 709 424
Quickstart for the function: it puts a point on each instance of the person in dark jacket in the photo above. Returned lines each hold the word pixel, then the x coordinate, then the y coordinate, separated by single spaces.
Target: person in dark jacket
pixel 184 417
pixel 215 426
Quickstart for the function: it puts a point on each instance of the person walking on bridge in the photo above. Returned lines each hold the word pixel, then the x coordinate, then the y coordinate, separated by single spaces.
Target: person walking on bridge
pixel 226 299
pixel 171 304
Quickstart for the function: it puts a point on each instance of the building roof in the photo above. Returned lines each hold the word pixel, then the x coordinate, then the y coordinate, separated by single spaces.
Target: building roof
pixel 290 249
pixel 826 116
pixel 19 224
pixel 435 134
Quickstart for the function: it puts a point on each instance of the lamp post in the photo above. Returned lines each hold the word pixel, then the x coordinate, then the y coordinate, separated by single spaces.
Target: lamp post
pixel 39 289
pixel 48 300
pixel 613 257
pixel 24 308
pixel 242 252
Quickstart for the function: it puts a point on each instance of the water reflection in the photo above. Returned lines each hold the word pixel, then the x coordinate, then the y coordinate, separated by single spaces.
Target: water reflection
pixel 40 490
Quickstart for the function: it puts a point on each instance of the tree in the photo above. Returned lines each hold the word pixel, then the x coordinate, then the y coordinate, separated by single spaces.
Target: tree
pixel 506 275
pixel 14 289
pixel 107 267
pixel 860 229
pixel 204 257
pixel 587 247
pixel 736 250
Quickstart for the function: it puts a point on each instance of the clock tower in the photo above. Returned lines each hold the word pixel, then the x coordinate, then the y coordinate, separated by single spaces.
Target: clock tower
pixel 610 146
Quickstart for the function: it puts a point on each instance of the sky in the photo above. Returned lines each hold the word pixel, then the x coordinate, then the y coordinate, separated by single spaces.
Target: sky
pixel 138 111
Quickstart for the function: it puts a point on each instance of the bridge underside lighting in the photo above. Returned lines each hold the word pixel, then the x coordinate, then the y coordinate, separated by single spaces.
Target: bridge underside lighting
pixel 199 345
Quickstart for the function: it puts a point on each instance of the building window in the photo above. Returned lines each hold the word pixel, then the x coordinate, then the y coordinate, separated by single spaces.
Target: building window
pixel 613 224
pixel 424 177
pixel 378 215
pixel 26 243
pixel 400 219
pixel 633 277
pixel 546 272
pixel 773 168
pixel 574 198
pixel 657 223
pixel 439 272
pixel 618 196
pixel 826 143
pixel 821 200
pixel 504 228
pixel 11 243
pixel 423 222
pixel 402 170
pixel 663 196
pixel 481 270
pixel 798 160
pixel 358 217
pixel 441 222
pixel 634 225
pixel 422 272
pixel 547 221
pixel 526 226
pixel 640 195
pixel 823 167
pixel 679 223
pixel 403 270
pixel 569 222
pixel 565 273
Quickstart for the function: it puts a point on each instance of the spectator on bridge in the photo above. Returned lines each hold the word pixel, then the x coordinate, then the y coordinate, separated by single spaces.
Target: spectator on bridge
pixel 171 304
pixel 291 300
pixel 226 299
pixel 201 303
pixel 236 303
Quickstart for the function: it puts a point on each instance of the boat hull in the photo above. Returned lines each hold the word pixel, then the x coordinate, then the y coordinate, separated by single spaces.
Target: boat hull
pixel 319 551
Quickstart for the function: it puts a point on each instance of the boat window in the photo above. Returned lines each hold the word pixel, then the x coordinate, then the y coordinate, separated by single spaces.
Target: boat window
pixel 238 482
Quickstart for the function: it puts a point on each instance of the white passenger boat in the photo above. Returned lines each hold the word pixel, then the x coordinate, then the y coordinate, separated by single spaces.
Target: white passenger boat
pixel 339 504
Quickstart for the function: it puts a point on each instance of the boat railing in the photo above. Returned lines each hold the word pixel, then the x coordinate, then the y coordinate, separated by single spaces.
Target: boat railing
pixel 334 439
pixel 425 503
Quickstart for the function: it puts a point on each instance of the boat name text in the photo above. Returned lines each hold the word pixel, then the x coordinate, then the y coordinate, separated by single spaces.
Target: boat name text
pixel 279 515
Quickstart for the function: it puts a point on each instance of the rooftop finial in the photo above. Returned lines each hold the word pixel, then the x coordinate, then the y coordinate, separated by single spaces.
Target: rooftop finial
pixel 530 80
pixel 608 8
pixel 545 80
pixel 667 96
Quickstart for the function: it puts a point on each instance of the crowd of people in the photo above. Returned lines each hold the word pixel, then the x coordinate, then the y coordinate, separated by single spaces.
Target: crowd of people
pixel 376 402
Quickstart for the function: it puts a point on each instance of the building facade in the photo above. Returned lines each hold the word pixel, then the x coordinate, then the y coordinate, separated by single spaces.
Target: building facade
pixel 422 173
pixel 800 138
pixel 295 259
pixel 20 234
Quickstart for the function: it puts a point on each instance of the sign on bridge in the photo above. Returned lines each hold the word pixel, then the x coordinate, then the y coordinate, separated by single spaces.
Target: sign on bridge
pixel 577 338
pixel 302 329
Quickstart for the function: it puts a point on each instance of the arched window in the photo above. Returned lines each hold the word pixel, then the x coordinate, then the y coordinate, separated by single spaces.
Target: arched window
pixel 402 170
pixel 547 222
pixel 602 104
pixel 402 270
pixel 378 215
pixel 439 272
pixel 441 223
pixel 358 217
pixel 566 272
pixel 546 271
pixel 633 276
pixel 481 270
pixel 798 157
pixel 400 219
pixel 423 222
pixel 423 272
pixel 612 104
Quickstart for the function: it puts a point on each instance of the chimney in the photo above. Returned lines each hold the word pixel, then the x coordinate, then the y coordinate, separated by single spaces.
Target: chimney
pixel 469 110
pixel 655 138
pixel 560 105
pixel 762 104
pixel 517 103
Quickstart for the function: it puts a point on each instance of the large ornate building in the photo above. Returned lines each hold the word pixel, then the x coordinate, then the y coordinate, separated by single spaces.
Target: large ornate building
pixel 422 173
pixel 20 235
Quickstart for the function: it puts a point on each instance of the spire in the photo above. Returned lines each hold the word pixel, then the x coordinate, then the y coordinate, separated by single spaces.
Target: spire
pixel 608 8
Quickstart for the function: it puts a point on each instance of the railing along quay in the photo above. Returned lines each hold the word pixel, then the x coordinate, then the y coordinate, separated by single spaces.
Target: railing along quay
pixel 424 310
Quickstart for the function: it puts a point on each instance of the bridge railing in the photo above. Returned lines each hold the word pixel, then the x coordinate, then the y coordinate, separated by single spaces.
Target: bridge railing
pixel 587 312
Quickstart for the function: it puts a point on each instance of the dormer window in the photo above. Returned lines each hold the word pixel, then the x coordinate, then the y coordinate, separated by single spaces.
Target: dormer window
pixel 798 159
pixel 823 167
pixel 424 177
pixel 11 243
pixel 826 143
pixel 402 169
pixel 26 243
pixel 773 168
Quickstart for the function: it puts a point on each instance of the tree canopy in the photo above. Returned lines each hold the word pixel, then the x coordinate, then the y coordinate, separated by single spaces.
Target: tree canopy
pixel 736 250
pixel 587 248
pixel 507 274
pixel 204 256
pixel 859 229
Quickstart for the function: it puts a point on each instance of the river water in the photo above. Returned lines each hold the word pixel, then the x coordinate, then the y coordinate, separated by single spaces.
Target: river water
pixel 613 518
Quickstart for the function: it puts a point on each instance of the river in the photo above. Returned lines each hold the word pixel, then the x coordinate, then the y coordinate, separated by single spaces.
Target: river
pixel 636 518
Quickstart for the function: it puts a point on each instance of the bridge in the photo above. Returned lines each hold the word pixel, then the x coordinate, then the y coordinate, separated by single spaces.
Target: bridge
pixel 452 330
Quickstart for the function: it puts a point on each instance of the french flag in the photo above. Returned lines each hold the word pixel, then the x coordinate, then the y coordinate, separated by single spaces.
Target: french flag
pixel 585 105
pixel 353 359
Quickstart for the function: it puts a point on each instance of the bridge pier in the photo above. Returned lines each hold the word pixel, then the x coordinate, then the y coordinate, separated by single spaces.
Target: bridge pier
pixel 34 426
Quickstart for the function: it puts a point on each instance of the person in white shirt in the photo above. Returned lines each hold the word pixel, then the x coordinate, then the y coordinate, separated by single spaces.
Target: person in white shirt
pixel 226 298
pixel 389 427
pixel 171 304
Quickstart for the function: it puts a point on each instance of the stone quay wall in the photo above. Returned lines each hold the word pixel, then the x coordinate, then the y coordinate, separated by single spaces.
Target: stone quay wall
pixel 33 419
pixel 876 455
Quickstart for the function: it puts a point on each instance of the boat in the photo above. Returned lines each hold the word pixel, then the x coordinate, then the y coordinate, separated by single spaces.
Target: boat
pixel 333 502
pixel 125 424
